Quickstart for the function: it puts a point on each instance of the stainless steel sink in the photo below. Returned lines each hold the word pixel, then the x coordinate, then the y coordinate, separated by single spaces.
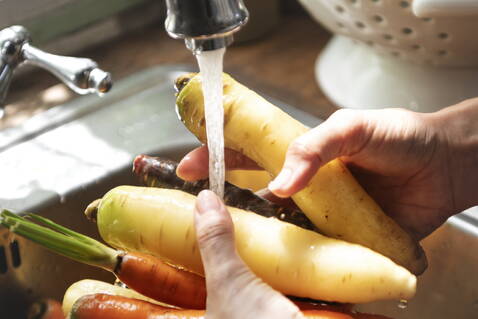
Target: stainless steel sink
pixel 64 158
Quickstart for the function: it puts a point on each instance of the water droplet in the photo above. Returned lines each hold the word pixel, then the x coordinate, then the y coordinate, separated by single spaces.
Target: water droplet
pixel 402 304
pixel 62 199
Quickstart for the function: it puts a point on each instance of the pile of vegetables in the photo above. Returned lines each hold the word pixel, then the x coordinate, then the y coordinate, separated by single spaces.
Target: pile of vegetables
pixel 339 247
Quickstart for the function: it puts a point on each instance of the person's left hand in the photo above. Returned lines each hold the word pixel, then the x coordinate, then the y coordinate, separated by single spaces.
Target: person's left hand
pixel 233 290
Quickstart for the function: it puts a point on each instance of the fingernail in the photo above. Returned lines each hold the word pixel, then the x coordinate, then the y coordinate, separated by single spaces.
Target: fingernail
pixel 207 201
pixel 281 180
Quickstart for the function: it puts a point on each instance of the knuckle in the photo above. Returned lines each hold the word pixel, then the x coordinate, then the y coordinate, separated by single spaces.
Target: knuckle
pixel 237 275
pixel 344 114
pixel 348 131
pixel 212 231
pixel 348 119
pixel 300 148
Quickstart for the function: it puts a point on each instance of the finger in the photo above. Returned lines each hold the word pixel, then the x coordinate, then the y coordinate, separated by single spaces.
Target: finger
pixel 233 290
pixel 195 165
pixel 215 235
pixel 344 133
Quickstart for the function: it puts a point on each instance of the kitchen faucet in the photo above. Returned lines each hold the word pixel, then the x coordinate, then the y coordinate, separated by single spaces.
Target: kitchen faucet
pixel 80 74
pixel 205 24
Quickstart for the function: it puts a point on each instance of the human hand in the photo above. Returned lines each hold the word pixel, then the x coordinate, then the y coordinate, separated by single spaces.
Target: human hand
pixel 233 290
pixel 420 168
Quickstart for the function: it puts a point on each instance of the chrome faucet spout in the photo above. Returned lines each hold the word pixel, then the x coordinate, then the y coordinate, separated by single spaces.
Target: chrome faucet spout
pixel 205 24
pixel 80 74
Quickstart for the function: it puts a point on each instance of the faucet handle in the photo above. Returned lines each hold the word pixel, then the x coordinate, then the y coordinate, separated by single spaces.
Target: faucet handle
pixel 80 74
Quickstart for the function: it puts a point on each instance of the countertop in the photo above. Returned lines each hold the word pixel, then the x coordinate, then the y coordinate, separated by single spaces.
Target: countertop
pixel 280 64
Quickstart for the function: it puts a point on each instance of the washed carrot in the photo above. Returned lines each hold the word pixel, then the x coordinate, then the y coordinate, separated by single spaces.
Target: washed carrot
pixel 46 309
pixel 321 310
pixel 105 306
pixel 333 199
pixel 293 260
pixel 153 278
pixel 328 314
pixel 160 172
pixel 146 274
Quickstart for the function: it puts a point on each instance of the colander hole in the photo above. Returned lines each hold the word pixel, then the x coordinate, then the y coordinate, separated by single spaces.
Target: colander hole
pixel 443 35
pixel 376 1
pixel 340 25
pixel 353 1
pixel 388 37
pixel 404 4
pixel 416 47
pixel 3 260
pixel 370 43
pixel 407 31
pixel 15 251
pixel 442 52
pixel 427 19
pixel 395 53
pixel 339 9
pixel 359 25
pixel 378 18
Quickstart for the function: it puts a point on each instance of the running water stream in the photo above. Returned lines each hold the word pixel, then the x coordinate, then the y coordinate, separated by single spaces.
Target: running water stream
pixel 210 68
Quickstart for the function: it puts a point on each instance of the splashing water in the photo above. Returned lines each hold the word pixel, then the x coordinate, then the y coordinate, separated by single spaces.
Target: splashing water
pixel 210 67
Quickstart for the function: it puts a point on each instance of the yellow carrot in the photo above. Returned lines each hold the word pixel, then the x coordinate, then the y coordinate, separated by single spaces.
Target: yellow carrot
pixel 291 259
pixel 333 200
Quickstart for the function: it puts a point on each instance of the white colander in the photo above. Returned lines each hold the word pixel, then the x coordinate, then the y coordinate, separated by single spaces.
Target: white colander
pixel 392 44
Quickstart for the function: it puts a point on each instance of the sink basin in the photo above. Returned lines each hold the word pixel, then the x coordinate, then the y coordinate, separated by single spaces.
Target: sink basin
pixel 61 160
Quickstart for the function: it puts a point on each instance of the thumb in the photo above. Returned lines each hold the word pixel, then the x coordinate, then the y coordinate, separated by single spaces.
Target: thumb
pixel 342 134
pixel 225 272
pixel 233 290
pixel 214 231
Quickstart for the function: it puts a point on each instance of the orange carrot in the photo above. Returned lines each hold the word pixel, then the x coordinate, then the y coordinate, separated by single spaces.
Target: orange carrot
pixel 46 309
pixel 154 278
pixel 102 306
pixel 330 314
pixel 326 314
pixel 146 274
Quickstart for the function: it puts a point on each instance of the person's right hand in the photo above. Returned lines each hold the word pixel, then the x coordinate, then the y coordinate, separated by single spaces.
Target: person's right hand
pixel 420 168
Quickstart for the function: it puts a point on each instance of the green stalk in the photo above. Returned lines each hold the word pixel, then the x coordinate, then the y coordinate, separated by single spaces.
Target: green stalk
pixel 61 240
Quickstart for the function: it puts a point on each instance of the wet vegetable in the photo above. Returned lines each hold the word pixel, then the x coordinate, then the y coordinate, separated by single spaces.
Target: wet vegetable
pixel 291 259
pixel 333 200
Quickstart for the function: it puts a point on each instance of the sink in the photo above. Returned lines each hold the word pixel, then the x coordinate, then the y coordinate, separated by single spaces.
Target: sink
pixel 61 160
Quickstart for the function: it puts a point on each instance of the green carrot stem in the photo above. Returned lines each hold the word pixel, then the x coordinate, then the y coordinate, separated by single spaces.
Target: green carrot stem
pixel 61 240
